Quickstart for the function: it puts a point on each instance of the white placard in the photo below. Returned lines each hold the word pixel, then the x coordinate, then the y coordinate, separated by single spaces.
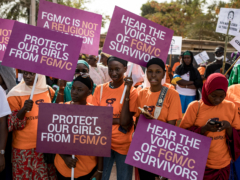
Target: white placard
pixel 176 45
pixel 235 42
pixel 201 57
pixel 226 15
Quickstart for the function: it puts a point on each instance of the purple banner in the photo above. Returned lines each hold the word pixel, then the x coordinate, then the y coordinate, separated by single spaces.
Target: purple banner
pixel 74 129
pixel 136 39
pixel 168 151
pixel 6 26
pixel 42 51
pixel 72 21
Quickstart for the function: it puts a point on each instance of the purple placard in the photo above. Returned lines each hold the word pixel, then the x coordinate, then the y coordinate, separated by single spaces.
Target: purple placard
pixel 42 51
pixel 74 129
pixel 136 39
pixel 72 21
pixel 6 26
pixel 168 151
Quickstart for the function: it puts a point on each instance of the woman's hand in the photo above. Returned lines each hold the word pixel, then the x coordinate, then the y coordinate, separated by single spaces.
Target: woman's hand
pixel 62 84
pixel 210 127
pixel 69 161
pixel 147 114
pixel 128 82
pixel 224 125
pixel 97 175
pixel 28 104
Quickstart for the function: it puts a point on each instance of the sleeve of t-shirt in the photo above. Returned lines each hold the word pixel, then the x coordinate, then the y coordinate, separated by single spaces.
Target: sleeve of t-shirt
pixel 190 115
pixel 175 108
pixel 96 96
pixel 236 120
pixel 133 99
pixel 4 106
pixel 14 103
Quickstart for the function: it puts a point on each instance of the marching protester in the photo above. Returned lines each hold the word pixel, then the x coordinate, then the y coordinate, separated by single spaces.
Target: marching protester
pixel 7 82
pixel 109 94
pixel 149 98
pixel 26 162
pixel 216 66
pixel 235 73
pixel 86 167
pixel 63 93
pixel 98 73
pixel 218 119
pixel 187 80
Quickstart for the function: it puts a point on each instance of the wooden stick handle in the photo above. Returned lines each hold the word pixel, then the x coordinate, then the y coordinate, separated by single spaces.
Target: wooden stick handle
pixel 232 66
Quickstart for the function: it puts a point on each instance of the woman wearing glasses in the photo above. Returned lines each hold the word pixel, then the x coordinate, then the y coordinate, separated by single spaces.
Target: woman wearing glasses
pixel 63 93
pixel 26 162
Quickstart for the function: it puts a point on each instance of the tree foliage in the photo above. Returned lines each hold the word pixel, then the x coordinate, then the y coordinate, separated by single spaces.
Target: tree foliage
pixel 193 19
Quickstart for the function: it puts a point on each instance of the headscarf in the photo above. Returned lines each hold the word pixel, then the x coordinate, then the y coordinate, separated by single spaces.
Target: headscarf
pixel 112 58
pixel 23 90
pixel 214 82
pixel 194 74
pixel 87 81
pixel 156 61
pixel 83 62
pixel 9 76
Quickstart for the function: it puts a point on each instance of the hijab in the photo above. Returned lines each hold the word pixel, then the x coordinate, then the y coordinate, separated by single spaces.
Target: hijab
pixel 214 82
pixel 9 76
pixel 24 90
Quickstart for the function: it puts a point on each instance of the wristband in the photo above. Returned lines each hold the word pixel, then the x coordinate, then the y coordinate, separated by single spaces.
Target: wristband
pixel 99 171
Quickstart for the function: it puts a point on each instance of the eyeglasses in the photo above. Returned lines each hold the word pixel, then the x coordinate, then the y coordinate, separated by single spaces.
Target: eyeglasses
pixel 30 73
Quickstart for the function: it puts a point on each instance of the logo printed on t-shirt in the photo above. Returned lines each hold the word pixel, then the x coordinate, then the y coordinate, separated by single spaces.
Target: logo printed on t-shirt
pixel 151 108
pixel 37 102
pixel 110 101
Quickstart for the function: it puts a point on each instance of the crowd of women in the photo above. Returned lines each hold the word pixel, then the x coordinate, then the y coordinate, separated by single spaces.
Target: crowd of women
pixel 201 100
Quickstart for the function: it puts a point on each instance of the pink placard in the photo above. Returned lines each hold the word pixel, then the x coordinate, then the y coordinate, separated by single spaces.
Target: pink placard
pixel 136 39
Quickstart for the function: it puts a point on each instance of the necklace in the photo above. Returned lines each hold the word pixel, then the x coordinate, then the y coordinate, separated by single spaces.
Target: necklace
pixel 111 86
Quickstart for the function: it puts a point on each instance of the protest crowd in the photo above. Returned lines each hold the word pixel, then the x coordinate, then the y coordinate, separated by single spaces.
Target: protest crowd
pixel 203 100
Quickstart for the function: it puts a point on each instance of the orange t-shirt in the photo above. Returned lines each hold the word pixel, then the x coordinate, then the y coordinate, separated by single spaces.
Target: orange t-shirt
pixel 27 137
pixel 171 109
pixel 84 165
pixel 176 64
pixel 170 86
pixel 233 95
pixel 201 70
pixel 218 156
pixel 89 99
pixel 111 97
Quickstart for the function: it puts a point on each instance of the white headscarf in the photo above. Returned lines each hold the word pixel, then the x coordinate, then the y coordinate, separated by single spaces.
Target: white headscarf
pixel 23 90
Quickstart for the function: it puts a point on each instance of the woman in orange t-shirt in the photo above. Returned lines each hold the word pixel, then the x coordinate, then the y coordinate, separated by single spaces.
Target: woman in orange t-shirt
pixel 148 98
pixel 23 122
pixel 86 167
pixel 218 119
pixel 109 94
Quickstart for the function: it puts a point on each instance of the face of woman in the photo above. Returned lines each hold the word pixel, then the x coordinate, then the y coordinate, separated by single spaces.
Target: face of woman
pixel 29 77
pixel 187 60
pixel 79 91
pixel 92 60
pixel 81 68
pixel 104 59
pixel 155 74
pixel 116 70
pixel 216 97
